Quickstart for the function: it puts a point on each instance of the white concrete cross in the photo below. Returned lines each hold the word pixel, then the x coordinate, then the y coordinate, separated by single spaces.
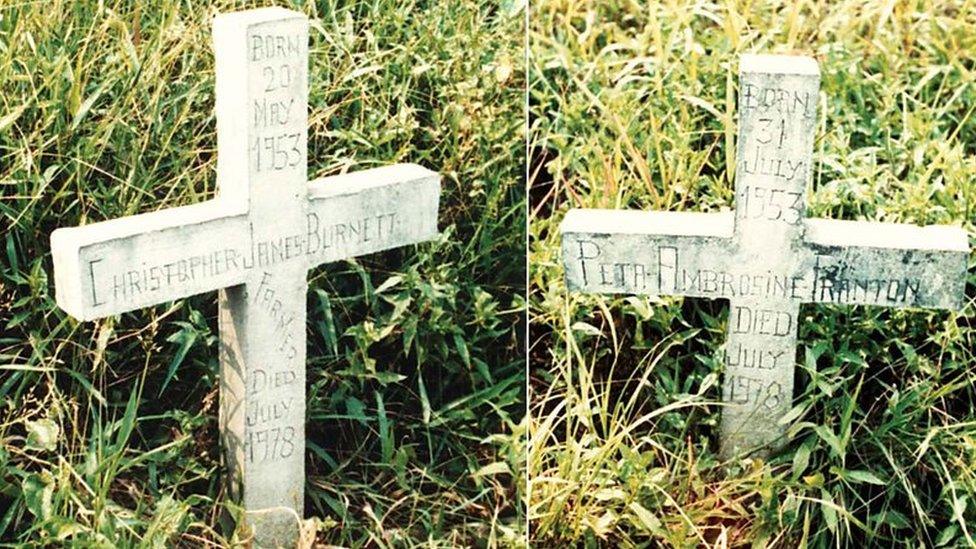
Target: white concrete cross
pixel 766 258
pixel 254 244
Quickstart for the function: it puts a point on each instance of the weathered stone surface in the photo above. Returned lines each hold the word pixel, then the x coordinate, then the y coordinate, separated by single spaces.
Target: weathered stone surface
pixel 262 63
pixel 125 264
pixel 255 244
pixel 633 252
pixel 766 258
pixel 370 210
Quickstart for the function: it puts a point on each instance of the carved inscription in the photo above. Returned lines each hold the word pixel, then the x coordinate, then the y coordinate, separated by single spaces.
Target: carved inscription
pixel 745 320
pixel 674 278
pixel 833 283
pixel 772 171
pixel 272 113
pixel 753 332
pixel 771 204
pixel 278 148
pixel 277 139
pixel 269 411
pixel 263 380
pixel 774 111
pixel 759 163
pixel 272 444
pixel 272 47
pixel 130 284
pixel 321 238
pixel 594 271
pixel 726 284
pixel 744 356
pixel 741 389
pixel 771 259
pixel 830 280
pixel 774 99
pixel 284 320
pixel 269 437
pixel 277 152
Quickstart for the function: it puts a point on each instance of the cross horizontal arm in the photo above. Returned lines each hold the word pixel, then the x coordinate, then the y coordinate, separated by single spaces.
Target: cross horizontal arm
pixel 635 252
pixel 123 264
pixel 371 210
pixel 894 265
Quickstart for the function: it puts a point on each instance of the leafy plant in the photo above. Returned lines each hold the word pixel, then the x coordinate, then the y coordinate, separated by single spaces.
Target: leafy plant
pixel 633 106
pixel 108 429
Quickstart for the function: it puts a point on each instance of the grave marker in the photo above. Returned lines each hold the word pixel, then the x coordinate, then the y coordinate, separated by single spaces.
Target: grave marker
pixel 767 257
pixel 254 244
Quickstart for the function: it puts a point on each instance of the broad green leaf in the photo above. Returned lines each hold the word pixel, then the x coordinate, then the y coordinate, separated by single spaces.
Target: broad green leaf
pixel 187 337
pixel 356 409
pixel 11 117
pixel 801 459
pixel 462 349
pixel 43 434
pixel 38 490
pixel 388 283
pixel 947 535
pixel 645 518
pixel 828 436
pixel 828 511
pixel 424 400
pixel 128 421
pixel 496 468
pixel 386 436
pixel 327 326
pixel 864 476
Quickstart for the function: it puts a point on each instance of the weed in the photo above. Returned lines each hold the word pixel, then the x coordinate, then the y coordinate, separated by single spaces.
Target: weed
pixel 633 106
pixel 108 430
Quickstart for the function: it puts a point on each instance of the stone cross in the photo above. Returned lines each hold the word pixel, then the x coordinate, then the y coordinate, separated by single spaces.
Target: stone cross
pixel 254 243
pixel 767 257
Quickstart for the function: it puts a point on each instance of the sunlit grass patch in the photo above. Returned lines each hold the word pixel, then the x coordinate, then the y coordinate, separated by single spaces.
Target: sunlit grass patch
pixel 108 431
pixel 633 106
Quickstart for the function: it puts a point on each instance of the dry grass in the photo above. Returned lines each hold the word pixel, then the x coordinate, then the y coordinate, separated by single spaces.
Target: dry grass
pixel 415 394
pixel 632 106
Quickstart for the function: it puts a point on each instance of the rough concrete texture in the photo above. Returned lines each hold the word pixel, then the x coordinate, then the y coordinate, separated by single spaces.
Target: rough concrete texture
pixel 767 257
pixel 254 243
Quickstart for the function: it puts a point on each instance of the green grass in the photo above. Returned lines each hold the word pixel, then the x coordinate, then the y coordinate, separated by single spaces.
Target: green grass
pixel 416 367
pixel 633 106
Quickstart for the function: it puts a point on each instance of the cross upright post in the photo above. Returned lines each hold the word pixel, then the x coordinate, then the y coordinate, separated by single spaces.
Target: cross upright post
pixel 766 257
pixel 254 244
